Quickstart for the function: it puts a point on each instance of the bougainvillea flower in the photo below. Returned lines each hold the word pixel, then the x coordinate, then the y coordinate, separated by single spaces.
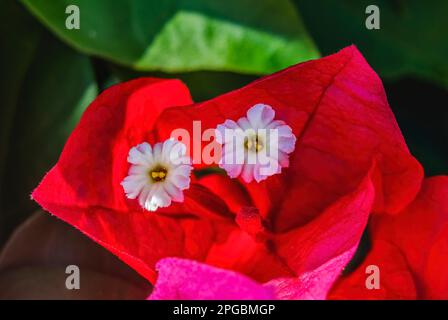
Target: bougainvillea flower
pixel 181 279
pixel 84 187
pixel 157 175
pixel 411 250
pixel 262 148
pixel 337 109
pixel 296 229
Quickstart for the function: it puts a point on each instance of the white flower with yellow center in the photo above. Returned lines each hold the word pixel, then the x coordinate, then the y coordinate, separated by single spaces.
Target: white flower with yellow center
pixel 255 146
pixel 158 175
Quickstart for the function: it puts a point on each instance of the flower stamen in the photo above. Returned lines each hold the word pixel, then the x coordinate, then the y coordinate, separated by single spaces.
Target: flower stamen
pixel 253 143
pixel 158 174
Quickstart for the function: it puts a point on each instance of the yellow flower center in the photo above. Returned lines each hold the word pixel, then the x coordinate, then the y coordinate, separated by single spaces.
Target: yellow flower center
pixel 158 174
pixel 253 143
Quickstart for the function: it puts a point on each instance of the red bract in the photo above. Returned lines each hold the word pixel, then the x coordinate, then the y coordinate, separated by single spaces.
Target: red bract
pixel 339 113
pixel 84 187
pixel 297 229
pixel 410 248
pixel 395 278
pixel 188 280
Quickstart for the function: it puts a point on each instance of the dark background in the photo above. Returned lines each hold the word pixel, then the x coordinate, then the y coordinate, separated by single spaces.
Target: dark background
pixel 50 74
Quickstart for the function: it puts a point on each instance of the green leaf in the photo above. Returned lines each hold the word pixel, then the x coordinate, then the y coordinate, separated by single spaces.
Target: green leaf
pixel 45 87
pixel 178 35
pixel 411 40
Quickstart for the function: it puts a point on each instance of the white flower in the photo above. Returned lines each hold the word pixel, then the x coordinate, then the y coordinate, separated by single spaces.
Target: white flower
pixel 157 175
pixel 255 146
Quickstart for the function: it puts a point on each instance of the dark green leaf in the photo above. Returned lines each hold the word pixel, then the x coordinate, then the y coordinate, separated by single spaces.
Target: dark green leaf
pixel 411 40
pixel 423 118
pixel 45 87
pixel 176 35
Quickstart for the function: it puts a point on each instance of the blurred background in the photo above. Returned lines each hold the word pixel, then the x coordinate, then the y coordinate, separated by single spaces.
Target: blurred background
pixel 50 74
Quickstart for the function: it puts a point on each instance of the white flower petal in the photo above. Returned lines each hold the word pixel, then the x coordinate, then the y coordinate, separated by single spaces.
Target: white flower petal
pixel 180 181
pixel 167 149
pixel 260 115
pixel 244 124
pixel 157 151
pixel 144 195
pixel 287 144
pixel 174 192
pixel 145 148
pixel 133 186
pixel 158 198
pixel 138 170
pixel 136 156
pixel 181 170
pixel 233 170
pixel 247 174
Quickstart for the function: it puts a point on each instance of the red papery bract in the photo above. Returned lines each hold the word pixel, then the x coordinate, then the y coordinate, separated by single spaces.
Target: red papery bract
pixel 410 250
pixel 421 234
pixel 84 187
pixel 94 160
pixel 188 280
pixel 84 190
pixel 337 108
pixel 395 278
pixel 295 230
pixel 324 246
